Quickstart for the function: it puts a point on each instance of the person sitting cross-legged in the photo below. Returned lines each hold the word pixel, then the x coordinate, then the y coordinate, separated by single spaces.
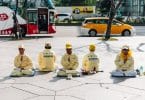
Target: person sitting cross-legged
pixel 90 63
pixel 46 59
pixel 23 64
pixel 125 64
pixel 69 62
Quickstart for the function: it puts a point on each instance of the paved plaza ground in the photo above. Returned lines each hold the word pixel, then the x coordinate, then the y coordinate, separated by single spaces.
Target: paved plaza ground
pixel 46 86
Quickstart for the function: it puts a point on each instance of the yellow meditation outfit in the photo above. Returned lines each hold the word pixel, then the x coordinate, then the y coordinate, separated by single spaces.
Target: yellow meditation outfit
pixel 90 61
pixel 69 62
pixel 128 65
pixel 23 61
pixel 46 60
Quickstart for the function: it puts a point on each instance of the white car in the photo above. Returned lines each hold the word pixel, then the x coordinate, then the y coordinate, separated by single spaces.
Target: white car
pixel 63 17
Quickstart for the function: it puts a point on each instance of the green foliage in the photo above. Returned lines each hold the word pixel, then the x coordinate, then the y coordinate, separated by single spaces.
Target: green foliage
pixel 75 2
pixel 105 6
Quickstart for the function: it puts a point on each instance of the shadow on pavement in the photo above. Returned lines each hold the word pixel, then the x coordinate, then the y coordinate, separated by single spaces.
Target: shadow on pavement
pixel 99 36
pixel 117 80
pixel 55 79
pixel 41 73
pixel 5 78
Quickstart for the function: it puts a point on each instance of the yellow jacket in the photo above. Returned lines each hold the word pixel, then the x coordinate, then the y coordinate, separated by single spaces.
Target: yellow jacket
pixel 46 60
pixel 90 61
pixel 129 65
pixel 24 62
pixel 72 64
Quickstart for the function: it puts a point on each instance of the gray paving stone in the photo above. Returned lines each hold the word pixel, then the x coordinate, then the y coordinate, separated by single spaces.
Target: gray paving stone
pixel 5 72
pixel 14 94
pixel 67 98
pixel 111 80
pixel 93 87
pixel 3 86
pixel 94 78
pixel 124 89
pixel 137 83
pixel 34 89
pixel 57 83
pixel 6 79
pixel 40 77
pixel 42 98
pixel 95 92
pixel 55 98
pixel 138 98
pixel 85 80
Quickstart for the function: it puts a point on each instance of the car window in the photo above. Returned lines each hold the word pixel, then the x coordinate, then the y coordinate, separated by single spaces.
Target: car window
pixel 115 22
pixel 97 21
pixel 102 21
pixel 62 15
pixel 90 21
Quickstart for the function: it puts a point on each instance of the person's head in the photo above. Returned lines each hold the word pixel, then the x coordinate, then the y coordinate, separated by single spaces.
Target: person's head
pixel 92 47
pixel 21 49
pixel 68 48
pixel 47 46
pixel 125 49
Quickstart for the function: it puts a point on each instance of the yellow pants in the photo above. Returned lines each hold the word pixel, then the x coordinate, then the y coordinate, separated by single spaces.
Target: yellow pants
pixel 64 73
pixel 19 72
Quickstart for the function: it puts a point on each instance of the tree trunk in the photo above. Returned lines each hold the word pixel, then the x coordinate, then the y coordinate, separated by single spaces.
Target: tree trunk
pixel 24 9
pixel 112 13
pixel 111 16
pixel 16 7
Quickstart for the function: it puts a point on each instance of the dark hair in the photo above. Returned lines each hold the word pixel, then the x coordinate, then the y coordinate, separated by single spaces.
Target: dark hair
pixel 47 47
pixel 126 49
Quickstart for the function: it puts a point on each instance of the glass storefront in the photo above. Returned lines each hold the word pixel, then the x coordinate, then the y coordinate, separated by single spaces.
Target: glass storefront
pixel 128 7
pixel 133 8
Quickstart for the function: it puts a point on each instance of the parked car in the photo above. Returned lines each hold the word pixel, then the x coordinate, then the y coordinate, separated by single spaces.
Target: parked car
pixel 98 25
pixel 64 17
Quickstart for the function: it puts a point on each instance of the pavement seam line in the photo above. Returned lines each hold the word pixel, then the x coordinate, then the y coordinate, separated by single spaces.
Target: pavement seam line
pixel 41 87
pixel 70 87
pixel 132 87
pixel 29 98
pixel 25 91
pixel 72 96
pixel 55 95
pixel 120 90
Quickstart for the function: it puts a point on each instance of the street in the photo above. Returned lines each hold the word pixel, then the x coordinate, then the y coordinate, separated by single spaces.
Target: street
pixel 74 31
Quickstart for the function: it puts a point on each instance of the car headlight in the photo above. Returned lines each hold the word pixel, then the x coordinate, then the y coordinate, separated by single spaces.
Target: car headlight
pixel 133 28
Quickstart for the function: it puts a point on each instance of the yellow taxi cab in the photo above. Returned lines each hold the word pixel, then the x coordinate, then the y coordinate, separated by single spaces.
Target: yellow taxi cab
pixel 97 25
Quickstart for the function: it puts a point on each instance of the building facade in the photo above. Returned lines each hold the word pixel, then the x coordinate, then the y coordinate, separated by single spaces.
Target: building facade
pixel 133 8
pixel 128 7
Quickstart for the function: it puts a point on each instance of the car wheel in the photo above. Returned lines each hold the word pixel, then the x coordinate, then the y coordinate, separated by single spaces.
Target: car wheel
pixel 126 33
pixel 92 33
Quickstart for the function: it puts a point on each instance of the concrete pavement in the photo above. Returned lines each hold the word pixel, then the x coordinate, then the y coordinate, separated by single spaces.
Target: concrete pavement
pixel 93 87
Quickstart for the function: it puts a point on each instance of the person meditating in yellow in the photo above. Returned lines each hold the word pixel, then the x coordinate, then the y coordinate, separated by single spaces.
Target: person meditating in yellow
pixel 46 59
pixel 22 63
pixel 90 62
pixel 125 63
pixel 69 62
